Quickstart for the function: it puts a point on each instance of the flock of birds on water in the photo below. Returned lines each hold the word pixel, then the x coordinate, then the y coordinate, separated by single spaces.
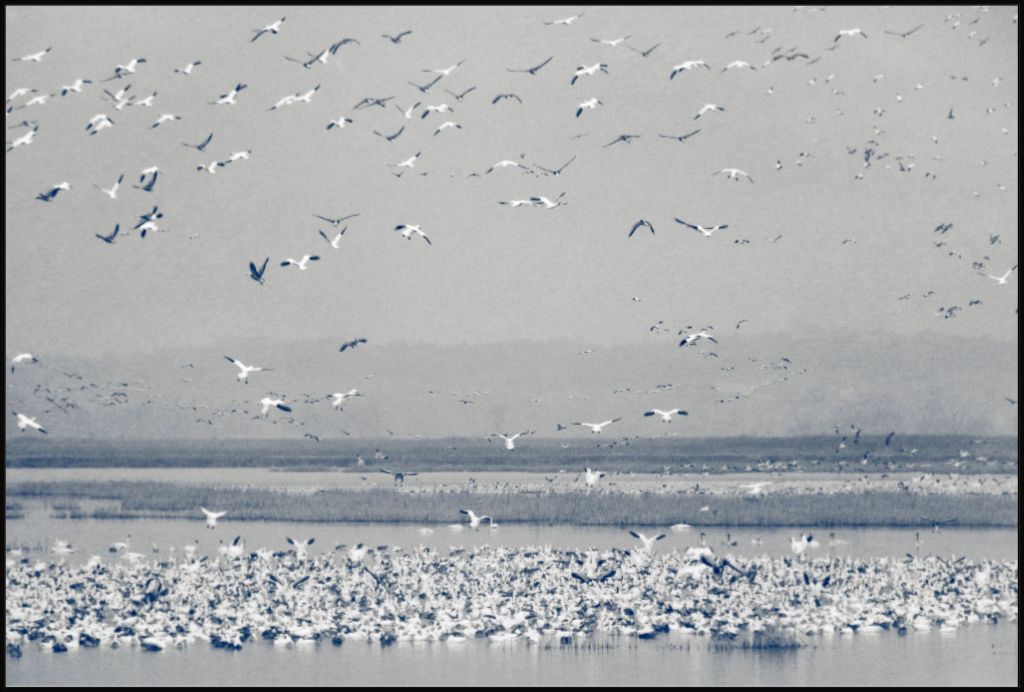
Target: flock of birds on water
pixel 534 594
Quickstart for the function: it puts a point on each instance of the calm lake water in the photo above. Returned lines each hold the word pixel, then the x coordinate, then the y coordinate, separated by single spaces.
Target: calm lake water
pixel 975 656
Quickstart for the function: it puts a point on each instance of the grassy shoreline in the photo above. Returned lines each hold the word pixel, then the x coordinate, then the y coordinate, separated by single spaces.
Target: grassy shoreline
pixel 147 499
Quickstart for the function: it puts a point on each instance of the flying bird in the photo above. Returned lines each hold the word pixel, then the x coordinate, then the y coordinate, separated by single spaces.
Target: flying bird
pixel 23 358
pixel 666 416
pixel 408 230
pixel 244 370
pixel 211 517
pixel 531 70
pixel 34 57
pixel 302 264
pixel 397 38
pixel 734 173
pixel 24 422
pixel 269 403
pixel 680 138
pixel 109 239
pixel 588 104
pixel 51 194
pixel 583 71
pixel 257 274
pixel 708 107
pixel 351 344
pixel 849 32
pixel 705 230
pixel 269 28
pixel 229 98
pixel 340 397
pixel 688 65
pixel 639 224
pixel 598 427
pixel 187 70
pixel 567 21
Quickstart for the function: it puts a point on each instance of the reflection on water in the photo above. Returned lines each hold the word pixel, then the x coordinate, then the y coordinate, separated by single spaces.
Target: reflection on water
pixel 93 536
pixel 976 655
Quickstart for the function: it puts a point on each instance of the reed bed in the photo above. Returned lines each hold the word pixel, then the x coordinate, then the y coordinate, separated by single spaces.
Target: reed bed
pixel 141 499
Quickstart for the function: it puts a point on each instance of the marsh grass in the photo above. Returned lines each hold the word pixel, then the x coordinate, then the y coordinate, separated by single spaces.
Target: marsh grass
pixel 877 509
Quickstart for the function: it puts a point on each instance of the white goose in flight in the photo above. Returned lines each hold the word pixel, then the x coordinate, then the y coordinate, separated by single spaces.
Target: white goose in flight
pixel 688 65
pixel 76 87
pixel 340 397
pixel 588 104
pixel 592 477
pixel 34 57
pixel 666 416
pixel 582 71
pixel 268 403
pixel 647 541
pixel 598 427
pixel 408 230
pixel 567 21
pixel 211 517
pixel 708 107
pixel 23 358
pixel 734 173
pixel 409 162
pixel 244 369
pixel 25 422
pixel 474 520
pixel 510 442
pixel 229 98
pixel 848 32
pixel 112 192
pixel 269 28
pixel 697 336
pixel 448 70
pixel 187 70
pixel 706 231
pixel 301 264
pixel 1001 280
pixel 336 243
pixel 26 138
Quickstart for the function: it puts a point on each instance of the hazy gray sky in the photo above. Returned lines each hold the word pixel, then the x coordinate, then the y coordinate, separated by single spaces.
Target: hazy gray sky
pixel 496 273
